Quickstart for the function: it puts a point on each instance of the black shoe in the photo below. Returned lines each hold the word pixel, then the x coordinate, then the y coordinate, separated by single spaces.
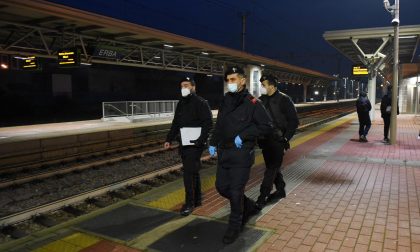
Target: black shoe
pixel 186 210
pixel 276 196
pixel 386 140
pixel 230 236
pixel 197 203
pixel 250 210
pixel 261 202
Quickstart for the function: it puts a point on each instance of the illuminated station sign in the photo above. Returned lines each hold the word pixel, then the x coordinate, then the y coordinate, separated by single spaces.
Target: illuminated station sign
pixel 359 70
pixel 30 62
pixel 69 57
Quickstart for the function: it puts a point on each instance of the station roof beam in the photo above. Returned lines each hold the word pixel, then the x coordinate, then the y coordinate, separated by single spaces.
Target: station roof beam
pixel 53 26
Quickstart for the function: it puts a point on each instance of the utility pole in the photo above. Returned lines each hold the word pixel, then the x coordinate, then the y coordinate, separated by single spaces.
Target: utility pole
pixel 345 87
pixel 395 12
pixel 244 16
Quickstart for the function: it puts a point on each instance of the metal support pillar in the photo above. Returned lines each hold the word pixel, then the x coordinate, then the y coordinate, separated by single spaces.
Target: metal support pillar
pixel 372 93
pixel 393 126
pixel 305 92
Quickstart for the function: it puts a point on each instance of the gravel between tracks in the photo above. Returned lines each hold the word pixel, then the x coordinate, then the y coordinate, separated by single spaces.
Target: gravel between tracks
pixel 36 193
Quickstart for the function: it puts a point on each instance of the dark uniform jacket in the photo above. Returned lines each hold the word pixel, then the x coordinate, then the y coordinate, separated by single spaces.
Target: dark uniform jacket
pixel 363 107
pixel 240 114
pixel 191 111
pixel 283 112
pixel 385 102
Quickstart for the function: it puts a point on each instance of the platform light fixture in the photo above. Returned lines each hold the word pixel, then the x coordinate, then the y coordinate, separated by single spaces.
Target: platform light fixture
pixel 20 57
pixel 168 46
pixel 157 57
pixel 407 37
pixel 205 53
pixel 262 65
pixel 4 66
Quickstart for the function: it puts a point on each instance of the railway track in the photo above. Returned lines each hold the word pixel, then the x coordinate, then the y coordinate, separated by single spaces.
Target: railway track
pixel 9 222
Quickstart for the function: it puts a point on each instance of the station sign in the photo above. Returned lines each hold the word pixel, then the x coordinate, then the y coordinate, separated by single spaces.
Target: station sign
pixel 29 63
pixel 360 70
pixel 69 57
pixel 107 52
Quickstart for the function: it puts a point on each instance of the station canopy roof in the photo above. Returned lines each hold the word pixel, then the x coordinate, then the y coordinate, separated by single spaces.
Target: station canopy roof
pixel 41 28
pixel 368 46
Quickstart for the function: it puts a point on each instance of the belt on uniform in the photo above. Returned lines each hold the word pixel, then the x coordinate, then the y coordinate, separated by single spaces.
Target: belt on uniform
pixel 230 145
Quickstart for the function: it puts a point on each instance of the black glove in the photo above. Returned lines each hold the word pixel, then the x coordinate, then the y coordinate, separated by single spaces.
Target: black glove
pixel 286 143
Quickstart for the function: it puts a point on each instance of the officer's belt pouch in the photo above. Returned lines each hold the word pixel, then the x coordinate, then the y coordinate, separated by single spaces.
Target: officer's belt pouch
pixel 388 109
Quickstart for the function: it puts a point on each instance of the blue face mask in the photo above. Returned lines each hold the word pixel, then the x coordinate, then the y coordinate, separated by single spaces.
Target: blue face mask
pixel 232 87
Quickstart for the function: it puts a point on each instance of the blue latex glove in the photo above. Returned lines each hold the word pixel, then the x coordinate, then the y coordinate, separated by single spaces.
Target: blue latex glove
pixel 212 151
pixel 238 142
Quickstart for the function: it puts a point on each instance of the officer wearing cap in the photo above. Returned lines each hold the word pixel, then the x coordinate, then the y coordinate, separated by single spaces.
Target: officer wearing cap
pixel 283 112
pixel 241 119
pixel 191 111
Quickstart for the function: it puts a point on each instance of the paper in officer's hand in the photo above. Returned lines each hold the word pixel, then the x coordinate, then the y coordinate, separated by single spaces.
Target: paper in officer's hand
pixel 188 134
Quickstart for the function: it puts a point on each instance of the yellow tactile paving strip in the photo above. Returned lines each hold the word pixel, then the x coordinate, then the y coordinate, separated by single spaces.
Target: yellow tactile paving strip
pixel 171 200
pixel 72 243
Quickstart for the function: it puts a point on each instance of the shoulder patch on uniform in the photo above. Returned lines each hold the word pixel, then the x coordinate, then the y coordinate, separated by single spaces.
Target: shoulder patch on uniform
pixel 252 99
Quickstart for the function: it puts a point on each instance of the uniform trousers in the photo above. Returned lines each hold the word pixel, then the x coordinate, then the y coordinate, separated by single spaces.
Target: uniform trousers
pixel 233 171
pixel 364 123
pixel 191 161
pixel 387 122
pixel 273 152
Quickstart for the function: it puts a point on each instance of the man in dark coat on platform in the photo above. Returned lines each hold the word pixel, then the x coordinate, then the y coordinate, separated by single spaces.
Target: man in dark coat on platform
pixel 386 112
pixel 241 119
pixel 285 121
pixel 363 107
pixel 192 111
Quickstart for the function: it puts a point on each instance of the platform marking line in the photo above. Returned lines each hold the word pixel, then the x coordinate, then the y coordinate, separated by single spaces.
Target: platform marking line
pixel 171 200
pixel 143 241
pixel 72 243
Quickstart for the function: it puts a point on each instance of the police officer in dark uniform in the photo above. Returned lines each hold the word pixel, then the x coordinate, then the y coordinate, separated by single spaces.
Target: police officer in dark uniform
pixel 285 119
pixel 241 119
pixel 191 111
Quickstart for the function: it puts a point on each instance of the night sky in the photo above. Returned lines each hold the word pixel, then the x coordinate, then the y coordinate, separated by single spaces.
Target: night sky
pixel 286 30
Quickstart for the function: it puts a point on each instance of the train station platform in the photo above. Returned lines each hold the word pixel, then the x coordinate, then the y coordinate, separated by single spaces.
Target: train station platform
pixel 57 142
pixel 50 130
pixel 342 195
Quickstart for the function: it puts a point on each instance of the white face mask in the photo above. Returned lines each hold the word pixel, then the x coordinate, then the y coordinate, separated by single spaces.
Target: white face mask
pixel 232 87
pixel 185 92
pixel 263 90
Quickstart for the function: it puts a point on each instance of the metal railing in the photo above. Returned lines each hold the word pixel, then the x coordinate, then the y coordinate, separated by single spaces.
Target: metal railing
pixel 133 110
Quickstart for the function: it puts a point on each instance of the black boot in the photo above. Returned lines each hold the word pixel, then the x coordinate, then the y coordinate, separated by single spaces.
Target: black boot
pixel 186 209
pixel 276 196
pixel 197 202
pixel 250 209
pixel 261 202
pixel 231 235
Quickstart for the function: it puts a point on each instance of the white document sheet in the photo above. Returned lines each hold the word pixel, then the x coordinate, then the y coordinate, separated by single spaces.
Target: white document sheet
pixel 189 133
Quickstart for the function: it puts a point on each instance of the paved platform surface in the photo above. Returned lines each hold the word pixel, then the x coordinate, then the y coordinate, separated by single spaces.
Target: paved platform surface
pixel 343 195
